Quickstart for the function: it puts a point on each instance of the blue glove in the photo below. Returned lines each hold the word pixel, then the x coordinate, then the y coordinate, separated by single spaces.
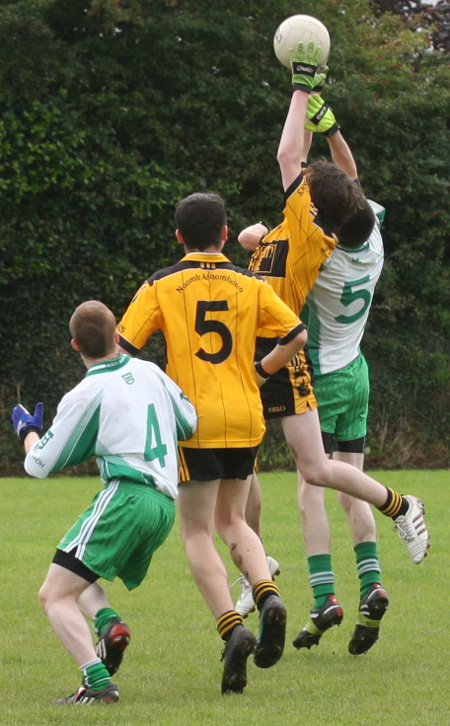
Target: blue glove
pixel 24 422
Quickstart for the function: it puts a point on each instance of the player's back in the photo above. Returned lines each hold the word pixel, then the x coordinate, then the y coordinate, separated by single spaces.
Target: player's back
pixel 122 414
pixel 209 311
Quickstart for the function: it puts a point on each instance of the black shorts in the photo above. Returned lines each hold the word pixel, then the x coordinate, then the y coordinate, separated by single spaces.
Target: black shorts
pixel 211 464
pixel 70 562
pixel 289 391
pixel 355 446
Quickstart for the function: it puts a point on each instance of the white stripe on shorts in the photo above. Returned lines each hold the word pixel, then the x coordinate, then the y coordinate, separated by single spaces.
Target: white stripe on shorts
pixel 88 526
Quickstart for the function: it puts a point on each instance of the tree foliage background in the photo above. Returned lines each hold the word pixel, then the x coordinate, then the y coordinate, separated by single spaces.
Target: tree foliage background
pixel 111 111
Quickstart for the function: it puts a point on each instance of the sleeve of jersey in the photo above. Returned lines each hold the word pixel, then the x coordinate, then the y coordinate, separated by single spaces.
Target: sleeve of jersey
pixel 309 245
pixel 185 413
pixel 141 319
pixel 70 440
pixel 275 317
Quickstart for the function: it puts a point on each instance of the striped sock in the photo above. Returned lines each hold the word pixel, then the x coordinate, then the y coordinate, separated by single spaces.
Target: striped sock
pixel 227 622
pixel 262 590
pixel 95 675
pixel 367 566
pixel 394 504
pixel 321 578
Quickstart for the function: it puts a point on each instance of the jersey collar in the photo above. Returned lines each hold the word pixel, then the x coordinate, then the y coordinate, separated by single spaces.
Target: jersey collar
pixel 364 246
pixel 105 366
pixel 205 257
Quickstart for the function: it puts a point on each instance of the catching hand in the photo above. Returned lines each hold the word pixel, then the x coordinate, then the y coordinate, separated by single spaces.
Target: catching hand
pixel 304 64
pixel 321 117
pixel 319 79
pixel 24 422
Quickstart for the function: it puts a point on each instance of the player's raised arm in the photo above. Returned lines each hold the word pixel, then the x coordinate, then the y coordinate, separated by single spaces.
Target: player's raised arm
pixel 304 63
pixel 321 119
pixel 342 155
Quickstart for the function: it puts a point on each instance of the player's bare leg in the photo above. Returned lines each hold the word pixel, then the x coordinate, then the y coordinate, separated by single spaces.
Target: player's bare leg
pixel 58 596
pixel 373 598
pixel 245 603
pixel 304 438
pixel 114 634
pixel 202 507
pixel 93 599
pixel 326 610
pixel 302 432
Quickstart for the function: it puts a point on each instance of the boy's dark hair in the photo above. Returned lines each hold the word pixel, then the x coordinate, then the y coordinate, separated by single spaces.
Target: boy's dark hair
pixel 92 326
pixel 200 218
pixel 335 195
pixel 358 228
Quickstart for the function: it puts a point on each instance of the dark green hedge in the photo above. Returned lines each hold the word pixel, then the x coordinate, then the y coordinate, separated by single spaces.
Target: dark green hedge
pixel 111 112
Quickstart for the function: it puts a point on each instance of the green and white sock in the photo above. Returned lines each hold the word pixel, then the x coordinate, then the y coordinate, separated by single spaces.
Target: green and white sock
pixel 367 565
pixel 95 675
pixel 321 578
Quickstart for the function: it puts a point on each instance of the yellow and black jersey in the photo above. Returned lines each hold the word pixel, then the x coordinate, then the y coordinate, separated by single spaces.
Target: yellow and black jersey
pixel 209 311
pixel 290 256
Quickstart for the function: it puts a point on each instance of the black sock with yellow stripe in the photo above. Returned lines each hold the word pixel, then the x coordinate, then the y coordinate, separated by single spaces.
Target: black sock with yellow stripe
pixel 394 504
pixel 227 623
pixel 262 590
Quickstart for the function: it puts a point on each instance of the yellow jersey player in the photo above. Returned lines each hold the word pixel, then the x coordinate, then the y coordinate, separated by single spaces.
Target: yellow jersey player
pixel 210 312
pixel 319 202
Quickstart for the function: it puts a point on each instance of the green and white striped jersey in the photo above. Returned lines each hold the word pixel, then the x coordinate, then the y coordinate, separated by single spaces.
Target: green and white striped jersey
pixel 127 413
pixel 338 305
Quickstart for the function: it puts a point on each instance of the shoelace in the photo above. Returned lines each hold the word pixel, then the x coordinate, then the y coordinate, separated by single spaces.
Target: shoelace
pixel 242 581
pixel 409 530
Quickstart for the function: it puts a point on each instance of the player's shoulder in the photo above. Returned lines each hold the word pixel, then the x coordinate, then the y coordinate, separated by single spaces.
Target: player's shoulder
pixel 146 366
pixel 80 395
pixel 298 187
pixel 168 271
pixel 244 271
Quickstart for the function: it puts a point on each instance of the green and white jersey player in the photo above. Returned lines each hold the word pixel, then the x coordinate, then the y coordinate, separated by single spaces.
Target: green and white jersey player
pixel 338 305
pixel 138 447
pixel 336 314
pixel 128 414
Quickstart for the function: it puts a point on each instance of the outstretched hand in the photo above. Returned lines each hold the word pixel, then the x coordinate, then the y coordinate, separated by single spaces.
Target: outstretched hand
pixel 319 79
pixel 24 421
pixel 304 63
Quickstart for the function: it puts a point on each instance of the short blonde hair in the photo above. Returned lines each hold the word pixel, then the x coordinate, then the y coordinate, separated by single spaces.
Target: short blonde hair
pixel 92 326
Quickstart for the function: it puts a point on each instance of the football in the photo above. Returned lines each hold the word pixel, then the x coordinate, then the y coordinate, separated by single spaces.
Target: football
pixel 300 28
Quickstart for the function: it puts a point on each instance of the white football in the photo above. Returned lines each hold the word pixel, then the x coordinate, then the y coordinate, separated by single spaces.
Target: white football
pixel 300 28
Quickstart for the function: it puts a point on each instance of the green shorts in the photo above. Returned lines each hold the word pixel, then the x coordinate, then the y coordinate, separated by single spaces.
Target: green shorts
pixel 343 398
pixel 120 530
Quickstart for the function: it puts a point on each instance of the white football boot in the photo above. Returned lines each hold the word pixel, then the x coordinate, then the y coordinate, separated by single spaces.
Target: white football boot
pixel 245 603
pixel 412 529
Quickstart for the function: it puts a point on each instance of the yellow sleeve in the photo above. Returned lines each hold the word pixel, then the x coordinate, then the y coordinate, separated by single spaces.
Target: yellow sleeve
pixel 142 317
pixel 275 317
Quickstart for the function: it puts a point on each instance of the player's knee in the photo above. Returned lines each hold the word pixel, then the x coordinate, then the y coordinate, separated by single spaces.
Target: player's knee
pixel 43 596
pixel 315 474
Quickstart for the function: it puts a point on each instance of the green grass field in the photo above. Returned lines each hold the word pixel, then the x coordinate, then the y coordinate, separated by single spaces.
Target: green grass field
pixel 171 673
